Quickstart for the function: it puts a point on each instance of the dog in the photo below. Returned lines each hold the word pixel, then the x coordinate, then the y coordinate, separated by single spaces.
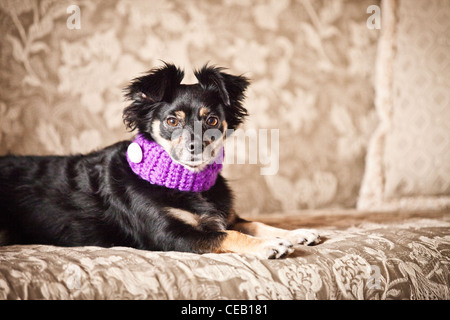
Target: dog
pixel 161 192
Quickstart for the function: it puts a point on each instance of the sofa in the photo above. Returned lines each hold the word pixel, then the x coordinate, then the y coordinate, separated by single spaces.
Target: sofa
pixel 363 255
pixel 369 169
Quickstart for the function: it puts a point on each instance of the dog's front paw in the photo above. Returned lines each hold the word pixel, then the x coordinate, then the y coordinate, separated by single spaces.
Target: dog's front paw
pixel 303 236
pixel 274 249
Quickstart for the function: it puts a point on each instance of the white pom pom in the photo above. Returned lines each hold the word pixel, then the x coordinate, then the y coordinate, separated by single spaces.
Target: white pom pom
pixel 135 152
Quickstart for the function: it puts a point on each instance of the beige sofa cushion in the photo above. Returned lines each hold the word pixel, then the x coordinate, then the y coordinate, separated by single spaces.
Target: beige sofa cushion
pixel 311 65
pixel 408 161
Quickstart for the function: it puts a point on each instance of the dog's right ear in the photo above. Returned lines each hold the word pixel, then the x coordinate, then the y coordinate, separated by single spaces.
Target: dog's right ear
pixel 145 92
pixel 157 85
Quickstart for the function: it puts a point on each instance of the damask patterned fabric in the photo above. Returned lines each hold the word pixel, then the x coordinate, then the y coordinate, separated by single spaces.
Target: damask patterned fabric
pixel 405 257
pixel 417 157
pixel 408 162
pixel 311 65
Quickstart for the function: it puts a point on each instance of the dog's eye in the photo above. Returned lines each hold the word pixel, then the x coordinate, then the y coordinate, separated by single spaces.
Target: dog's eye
pixel 212 121
pixel 172 121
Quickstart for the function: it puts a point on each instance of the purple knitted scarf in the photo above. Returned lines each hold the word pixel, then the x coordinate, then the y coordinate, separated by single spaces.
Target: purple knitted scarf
pixel 152 163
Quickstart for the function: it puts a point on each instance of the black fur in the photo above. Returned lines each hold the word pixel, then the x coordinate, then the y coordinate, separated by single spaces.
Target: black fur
pixel 96 199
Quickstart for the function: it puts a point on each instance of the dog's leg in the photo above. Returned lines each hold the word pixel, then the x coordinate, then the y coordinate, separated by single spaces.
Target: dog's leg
pixel 258 229
pixel 238 242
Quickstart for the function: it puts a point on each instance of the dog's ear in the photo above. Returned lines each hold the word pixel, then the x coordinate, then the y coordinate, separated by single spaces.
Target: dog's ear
pixel 157 85
pixel 147 91
pixel 231 90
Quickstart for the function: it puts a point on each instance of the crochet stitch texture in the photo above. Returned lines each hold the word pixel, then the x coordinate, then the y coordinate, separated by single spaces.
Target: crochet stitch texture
pixel 157 167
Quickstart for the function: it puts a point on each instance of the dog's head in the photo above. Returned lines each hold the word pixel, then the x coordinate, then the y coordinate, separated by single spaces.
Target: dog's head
pixel 189 121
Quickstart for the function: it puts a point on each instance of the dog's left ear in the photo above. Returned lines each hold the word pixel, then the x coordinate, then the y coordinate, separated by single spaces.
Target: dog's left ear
pixel 231 90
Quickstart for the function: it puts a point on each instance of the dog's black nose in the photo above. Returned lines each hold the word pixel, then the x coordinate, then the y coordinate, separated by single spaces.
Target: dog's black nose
pixel 194 147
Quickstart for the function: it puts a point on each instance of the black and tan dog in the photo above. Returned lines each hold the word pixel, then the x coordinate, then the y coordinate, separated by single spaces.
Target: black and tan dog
pixel 96 199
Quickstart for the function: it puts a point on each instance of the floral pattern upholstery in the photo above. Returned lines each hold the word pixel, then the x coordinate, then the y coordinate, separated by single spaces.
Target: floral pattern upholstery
pixel 61 89
pixel 407 259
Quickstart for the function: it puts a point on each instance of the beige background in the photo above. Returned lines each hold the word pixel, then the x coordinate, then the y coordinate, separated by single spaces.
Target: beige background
pixel 408 157
pixel 311 65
